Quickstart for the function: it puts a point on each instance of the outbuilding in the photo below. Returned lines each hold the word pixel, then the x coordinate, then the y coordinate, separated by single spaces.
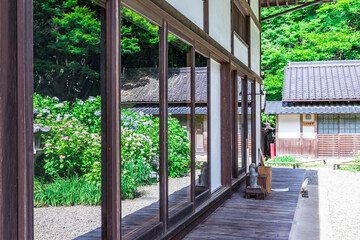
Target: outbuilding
pixel 319 115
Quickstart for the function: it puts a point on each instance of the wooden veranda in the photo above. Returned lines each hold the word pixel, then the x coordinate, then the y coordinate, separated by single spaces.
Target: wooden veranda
pixel 240 218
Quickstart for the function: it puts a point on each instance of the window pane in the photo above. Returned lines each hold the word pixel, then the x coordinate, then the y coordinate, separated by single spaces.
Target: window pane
pixel 179 136
pixel 139 125
pixel 201 125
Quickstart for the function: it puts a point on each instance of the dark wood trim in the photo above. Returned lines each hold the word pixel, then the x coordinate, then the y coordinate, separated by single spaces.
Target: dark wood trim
pixel 193 130
pixel 25 119
pixel 244 120
pixel 176 19
pixel 248 24
pixel 235 126
pixel 226 124
pixel 163 128
pixel 276 132
pixel 301 134
pixel 112 181
pixel 142 11
pixel 103 83
pixel 307 4
pixel 253 123
pixel 206 16
pixel 232 26
pixel 202 197
pixel 316 136
pixel 240 39
pixel 244 6
pixel 16 120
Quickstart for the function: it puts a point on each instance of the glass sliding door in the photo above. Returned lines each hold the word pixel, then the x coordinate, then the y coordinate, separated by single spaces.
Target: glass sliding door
pixel 202 174
pixel 139 125
pixel 179 125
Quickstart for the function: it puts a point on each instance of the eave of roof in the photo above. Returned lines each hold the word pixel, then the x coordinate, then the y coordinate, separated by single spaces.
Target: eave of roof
pixel 278 107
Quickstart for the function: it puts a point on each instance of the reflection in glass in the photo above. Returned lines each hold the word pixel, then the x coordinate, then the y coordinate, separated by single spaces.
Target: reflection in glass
pixel 201 126
pixel 139 125
pixel 250 127
pixel 179 125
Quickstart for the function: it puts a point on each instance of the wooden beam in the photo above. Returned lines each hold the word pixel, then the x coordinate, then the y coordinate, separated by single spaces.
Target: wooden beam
pixel 112 182
pixel 293 9
pixel 235 124
pixel 163 138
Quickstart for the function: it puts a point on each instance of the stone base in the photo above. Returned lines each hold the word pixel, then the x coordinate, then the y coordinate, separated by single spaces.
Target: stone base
pixel 258 193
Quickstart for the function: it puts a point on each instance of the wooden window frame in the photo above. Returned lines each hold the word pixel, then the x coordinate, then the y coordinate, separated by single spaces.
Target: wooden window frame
pixel 21 36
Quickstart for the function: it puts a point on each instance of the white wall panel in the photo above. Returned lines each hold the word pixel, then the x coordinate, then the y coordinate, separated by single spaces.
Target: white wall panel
pixel 289 126
pixel 215 125
pixel 192 9
pixel 254 4
pixel 308 132
pixel 220 22
pixel 241 51
pixel 255 47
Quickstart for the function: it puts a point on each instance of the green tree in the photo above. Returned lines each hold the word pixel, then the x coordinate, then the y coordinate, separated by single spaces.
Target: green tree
pixel 322 32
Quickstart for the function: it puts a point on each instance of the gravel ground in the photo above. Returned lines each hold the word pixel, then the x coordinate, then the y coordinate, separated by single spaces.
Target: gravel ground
pixel 343 198
pixel 60 223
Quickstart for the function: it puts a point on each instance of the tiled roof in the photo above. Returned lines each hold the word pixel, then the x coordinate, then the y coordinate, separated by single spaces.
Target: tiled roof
pixel 173 109
pixel 142 85
pixel 278 107
pixel 322 81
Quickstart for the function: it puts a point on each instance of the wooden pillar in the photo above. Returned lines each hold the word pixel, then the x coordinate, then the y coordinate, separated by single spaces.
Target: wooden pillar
pixel 244 120
pixel 111 164
pixel 301 135
pixel 235 122
pixel 316 145
pixel 253 123
pixel 163 138
pixel 226 123
pixel 16 119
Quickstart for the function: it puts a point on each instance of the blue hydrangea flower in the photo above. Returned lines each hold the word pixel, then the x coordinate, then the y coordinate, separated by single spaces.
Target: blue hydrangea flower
pixel 97 113
pixel 81 102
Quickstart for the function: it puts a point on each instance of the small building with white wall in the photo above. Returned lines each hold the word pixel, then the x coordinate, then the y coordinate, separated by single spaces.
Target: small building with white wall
pixel 319 115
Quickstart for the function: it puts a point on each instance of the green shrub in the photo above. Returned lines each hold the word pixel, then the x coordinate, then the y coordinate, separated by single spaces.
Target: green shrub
pixel 73 146
pixel 284 159
pixel 66 192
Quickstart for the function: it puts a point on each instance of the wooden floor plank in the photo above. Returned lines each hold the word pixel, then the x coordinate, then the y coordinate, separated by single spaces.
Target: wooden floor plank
pixel 240 218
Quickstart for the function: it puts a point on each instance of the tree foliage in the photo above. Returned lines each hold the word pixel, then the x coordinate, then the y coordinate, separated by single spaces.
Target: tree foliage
pixel 328 31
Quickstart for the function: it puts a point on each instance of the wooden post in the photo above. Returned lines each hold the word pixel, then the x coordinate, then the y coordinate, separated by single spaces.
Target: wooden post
pixel 235 126
pixel 226 124
pixel 244 120
pixel 111 178
pixel 163 138
pixel 16 119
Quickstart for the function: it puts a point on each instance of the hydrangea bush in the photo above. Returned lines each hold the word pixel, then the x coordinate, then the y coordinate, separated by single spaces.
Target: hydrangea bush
pixel 73 146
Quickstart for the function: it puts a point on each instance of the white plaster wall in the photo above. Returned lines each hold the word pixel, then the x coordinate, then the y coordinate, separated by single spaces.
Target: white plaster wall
pixel 192 9
pixel 255 47
pixel 308 132
pixel 241 51
pixel 289 126
pixel 254 4
pixel 258 121
pixel 215 125
pixel 220 22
